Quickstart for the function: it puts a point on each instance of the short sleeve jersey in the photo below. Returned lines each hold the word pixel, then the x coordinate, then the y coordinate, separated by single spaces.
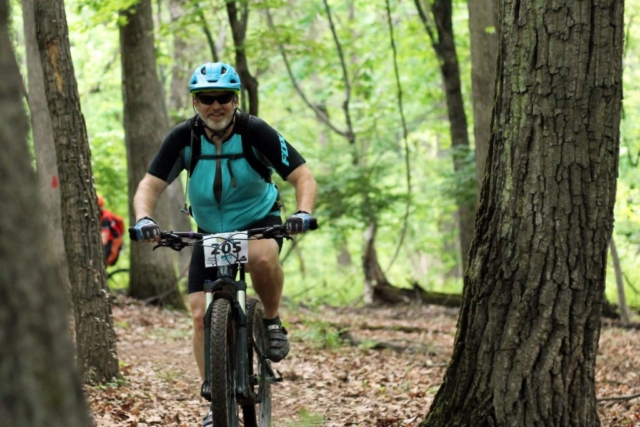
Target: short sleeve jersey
pixel 226 193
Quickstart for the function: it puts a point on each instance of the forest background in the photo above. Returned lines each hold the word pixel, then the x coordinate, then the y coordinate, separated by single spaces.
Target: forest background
pixel 396 141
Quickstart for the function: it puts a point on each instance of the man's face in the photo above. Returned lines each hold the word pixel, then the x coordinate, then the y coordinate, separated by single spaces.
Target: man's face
pixel 216 108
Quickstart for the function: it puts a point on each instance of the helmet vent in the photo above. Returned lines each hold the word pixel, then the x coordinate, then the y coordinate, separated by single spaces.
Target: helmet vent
pixel 203 70
pixel 224 70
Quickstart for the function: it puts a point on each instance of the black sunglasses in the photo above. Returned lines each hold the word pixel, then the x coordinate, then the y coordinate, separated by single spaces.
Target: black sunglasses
pixel 225 98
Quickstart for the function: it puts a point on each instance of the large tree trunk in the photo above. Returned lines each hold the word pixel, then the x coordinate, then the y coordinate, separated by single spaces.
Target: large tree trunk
pixel 527 340
pixel 45 149
pixel 39 382
pixel 483 22
pixel 95 337
pixel 445 48
pixel 152 274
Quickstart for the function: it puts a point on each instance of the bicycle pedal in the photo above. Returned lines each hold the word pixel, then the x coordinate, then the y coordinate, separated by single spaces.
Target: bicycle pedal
pixel 278 378
pixel 205 390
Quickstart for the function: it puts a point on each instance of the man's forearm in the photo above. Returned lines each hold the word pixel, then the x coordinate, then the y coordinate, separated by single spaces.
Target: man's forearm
pixel 306 194
pixel 146 197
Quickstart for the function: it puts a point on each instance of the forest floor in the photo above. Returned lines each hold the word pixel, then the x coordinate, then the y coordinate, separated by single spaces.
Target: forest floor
pixel 374 367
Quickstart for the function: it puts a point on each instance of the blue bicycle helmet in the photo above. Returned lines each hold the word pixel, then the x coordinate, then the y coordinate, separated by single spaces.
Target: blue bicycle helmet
pixel 215 76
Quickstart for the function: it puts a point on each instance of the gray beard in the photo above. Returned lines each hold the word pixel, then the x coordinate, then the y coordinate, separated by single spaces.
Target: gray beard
pixel 217 125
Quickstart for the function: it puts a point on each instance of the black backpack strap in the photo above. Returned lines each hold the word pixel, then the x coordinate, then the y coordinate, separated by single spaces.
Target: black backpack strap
pixel 242 128
pixel 194 154
pixel 234 156
pixel 194 144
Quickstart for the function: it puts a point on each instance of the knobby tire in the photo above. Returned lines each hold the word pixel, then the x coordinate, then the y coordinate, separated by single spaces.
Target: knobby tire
pixel 222 363
pixel 259 413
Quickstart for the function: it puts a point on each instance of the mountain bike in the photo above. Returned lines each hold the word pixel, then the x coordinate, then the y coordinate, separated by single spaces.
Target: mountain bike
pixel 238 374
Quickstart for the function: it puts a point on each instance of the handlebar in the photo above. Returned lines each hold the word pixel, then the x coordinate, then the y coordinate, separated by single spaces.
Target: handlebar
pixel 175 239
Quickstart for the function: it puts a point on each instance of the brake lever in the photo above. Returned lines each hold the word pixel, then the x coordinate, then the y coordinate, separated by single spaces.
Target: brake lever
pixel 176 244
pixel 276 232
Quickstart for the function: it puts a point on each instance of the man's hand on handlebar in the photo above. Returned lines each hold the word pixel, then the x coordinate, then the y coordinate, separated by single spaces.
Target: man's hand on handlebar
pixel 145 230
pixel 299 222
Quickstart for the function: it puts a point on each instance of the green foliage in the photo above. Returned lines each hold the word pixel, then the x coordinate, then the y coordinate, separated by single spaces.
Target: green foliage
pixel 363 192
pixel 322 335
pixel 307 419
pixel 102 12
pixel 358 182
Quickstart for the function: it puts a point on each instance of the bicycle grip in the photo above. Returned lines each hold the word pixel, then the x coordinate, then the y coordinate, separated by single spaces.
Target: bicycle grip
pixel 132 234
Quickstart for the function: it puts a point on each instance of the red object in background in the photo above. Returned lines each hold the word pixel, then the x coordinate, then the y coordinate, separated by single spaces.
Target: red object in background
pixel 54 182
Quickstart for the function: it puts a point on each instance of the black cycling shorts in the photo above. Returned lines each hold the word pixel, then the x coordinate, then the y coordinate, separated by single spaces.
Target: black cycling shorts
pixel 197 271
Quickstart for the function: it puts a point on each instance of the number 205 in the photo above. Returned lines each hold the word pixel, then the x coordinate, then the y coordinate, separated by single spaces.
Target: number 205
pixel 225 248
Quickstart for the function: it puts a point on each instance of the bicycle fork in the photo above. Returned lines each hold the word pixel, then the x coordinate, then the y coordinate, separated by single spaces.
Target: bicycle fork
pixel 239 310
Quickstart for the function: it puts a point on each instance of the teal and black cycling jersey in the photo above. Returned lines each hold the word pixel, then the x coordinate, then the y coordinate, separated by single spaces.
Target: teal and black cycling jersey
pixel 226 193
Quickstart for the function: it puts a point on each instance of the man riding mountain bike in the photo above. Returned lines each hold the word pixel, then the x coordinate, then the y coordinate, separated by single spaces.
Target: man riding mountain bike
pixel 229 157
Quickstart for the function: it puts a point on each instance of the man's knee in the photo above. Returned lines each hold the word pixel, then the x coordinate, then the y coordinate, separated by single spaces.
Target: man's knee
pixel 198 320
pixel 196 303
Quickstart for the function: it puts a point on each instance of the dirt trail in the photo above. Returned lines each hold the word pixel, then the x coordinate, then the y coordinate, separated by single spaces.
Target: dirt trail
pixel 388 380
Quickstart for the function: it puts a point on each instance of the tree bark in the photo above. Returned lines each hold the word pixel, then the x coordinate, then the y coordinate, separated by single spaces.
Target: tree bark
pixel 238 21
pixel 376 286
pixel 528 330
pixel 179 102
pixel 48 180
pixel 152 274
pixel 95 337
pixel 446 50
pixel 483 23
pixel 39 382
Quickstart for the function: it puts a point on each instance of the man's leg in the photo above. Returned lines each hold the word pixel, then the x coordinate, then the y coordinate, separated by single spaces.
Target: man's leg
pixel 197 276
pixel 196 302
pixel 266 274
pixel 268 280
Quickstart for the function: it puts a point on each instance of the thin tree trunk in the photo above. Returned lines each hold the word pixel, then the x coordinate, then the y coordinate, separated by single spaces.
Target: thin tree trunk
pixel 622 300
pixel 179 102
pixel 152 274
pixel 445 48
pixel 95 337
pixel 45 149
pixel 483 23
pixel 238 20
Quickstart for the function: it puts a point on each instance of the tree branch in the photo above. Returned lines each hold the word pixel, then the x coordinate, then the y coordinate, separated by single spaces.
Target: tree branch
pixel 425 21
pixel 618 398
pixel 207 33
pixel 405 135
pixel 322 116
pixel 351 137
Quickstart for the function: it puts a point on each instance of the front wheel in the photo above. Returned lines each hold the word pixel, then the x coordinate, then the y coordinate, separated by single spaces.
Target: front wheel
pixel 261 376
pixel 222 363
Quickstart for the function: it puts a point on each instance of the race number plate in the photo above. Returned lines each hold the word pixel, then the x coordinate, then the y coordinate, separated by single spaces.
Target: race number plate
pixel 225 249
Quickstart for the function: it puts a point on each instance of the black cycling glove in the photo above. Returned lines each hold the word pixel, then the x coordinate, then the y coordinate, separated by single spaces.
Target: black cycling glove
pixel 298 222
pixel 145 229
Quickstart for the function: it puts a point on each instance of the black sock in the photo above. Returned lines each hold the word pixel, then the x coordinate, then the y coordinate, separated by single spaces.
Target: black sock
pixel 274 321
